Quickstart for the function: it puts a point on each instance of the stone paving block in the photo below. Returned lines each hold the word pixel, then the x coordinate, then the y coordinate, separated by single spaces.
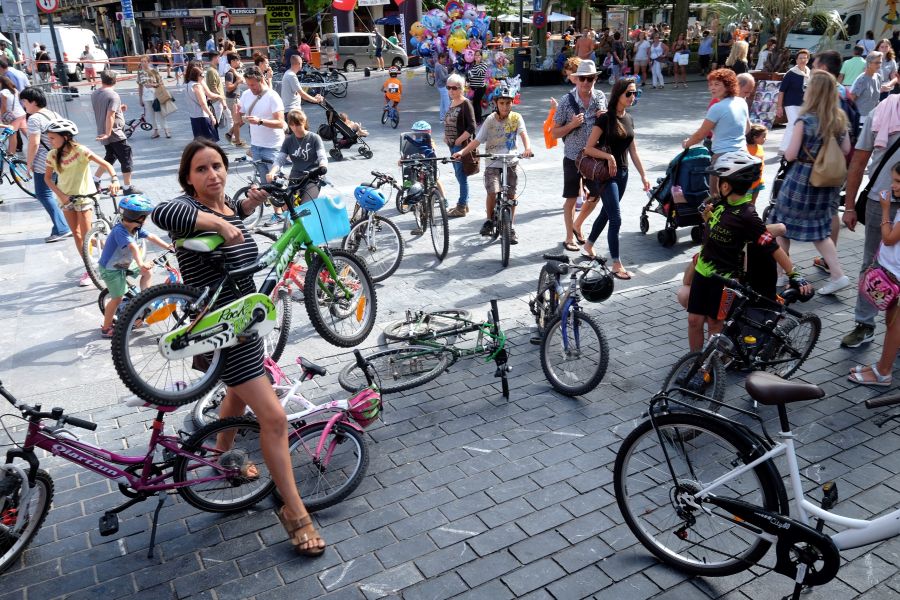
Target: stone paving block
pixel 445 559
pixel 119 587
pixel 378 518
pixel 533 576
pixel 164 572
pixel 488 568
pixel 866 572
pixel 445 586
pixel 417 524
pixel 427 499
pixel 513 488
pixel 390 581
pixel 363 544
pixel 636 587
pixel 497 538
pixel 406 550
pixel 538 546
pixel 206 579
pixel 438 478
pixel 467 505
pixel 579 585
pixel 457 530
pixel 493 590
pixel 349 572
pixel 552 494
pixel 59 586
pixel 508 511
pixel 544 519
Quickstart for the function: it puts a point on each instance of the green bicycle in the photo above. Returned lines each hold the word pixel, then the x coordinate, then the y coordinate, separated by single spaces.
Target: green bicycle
pixel 167 347
pixel 430 352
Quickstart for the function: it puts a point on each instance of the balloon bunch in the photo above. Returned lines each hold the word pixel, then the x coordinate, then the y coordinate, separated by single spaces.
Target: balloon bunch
pixel 461 33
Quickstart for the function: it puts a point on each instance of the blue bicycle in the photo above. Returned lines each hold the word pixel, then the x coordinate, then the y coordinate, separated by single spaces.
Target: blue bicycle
pixel 391 114
pixel 574 351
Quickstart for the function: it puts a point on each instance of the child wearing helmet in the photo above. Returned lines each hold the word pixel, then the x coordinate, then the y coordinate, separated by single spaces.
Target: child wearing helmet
pixel 731 224
pixel 122 257
pixel 498 133
pixel 393 89
pixel 305 150
pixel 70 161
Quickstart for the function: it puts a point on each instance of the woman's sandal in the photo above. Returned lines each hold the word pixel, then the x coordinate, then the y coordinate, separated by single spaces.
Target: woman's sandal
pixel 303 534
pixel 570 246
pixel 578 238
pixel 858 375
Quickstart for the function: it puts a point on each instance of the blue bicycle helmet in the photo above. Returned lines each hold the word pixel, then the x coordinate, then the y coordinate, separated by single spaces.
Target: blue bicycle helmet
pixel 369 198
pixel 135 206
pixel 421 126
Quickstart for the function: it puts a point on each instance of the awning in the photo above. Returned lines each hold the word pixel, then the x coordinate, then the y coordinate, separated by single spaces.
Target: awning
pixel 559 18
pixel 513 18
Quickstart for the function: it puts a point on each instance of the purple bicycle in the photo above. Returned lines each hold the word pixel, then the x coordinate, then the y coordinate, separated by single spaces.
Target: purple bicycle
pixel 219 468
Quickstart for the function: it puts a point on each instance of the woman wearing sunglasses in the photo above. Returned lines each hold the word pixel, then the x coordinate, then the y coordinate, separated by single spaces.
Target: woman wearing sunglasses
pixel 613 130
pixel 459 128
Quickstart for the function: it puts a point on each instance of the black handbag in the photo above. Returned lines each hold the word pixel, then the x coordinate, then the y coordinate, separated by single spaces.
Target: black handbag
pixel 862 200
pixel 157 107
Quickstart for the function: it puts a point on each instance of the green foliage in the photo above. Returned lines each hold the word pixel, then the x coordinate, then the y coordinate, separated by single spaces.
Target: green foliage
pixel 495 8
pixel 316 6
pixel 789 13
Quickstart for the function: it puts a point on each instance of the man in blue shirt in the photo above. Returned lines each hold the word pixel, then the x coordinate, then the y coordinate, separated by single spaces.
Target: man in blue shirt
pixel 19 79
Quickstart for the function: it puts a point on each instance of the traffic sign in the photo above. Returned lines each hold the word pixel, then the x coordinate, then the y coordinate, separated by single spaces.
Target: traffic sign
pixel 223 19
pixel 539 19
pixel 48 6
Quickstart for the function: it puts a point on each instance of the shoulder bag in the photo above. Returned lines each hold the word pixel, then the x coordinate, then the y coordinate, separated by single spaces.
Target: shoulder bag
pixel 829 166
pixel 594 169
pixel 863 199
pixel 879 286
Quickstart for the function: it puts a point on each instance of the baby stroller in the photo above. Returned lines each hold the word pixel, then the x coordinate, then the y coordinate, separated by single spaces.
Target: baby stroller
pixel 337 132
pixel 687 170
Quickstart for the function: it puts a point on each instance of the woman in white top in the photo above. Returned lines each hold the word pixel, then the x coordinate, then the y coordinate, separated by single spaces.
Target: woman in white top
pixel 889 72
pixel 203 121
pixel 11 111
pixel 642 57
pixel 658 52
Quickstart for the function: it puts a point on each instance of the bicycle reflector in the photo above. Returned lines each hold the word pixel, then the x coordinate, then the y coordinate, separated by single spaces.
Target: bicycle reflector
pixel 728 296
pixel 160 314
pixel 365 407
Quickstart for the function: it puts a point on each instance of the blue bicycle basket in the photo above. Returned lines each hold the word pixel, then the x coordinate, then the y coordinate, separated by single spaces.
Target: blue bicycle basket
pixel 369 198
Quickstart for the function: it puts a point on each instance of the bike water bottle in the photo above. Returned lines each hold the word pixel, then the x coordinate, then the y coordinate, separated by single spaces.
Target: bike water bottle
pixel 750 343
pixel 678 194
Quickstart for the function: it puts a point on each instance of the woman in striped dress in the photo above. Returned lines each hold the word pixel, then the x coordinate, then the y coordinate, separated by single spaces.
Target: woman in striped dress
pixel 205 207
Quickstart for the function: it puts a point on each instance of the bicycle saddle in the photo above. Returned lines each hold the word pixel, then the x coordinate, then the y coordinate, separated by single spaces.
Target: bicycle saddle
pixel 310 367
pixel 557 257
pixel 555 267
pixel 772 390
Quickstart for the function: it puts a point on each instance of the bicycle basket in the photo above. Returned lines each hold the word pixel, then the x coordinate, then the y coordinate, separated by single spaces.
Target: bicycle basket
pixel 327 220
pixel 365 407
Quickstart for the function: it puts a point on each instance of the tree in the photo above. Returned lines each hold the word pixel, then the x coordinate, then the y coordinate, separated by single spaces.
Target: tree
pixel 780 16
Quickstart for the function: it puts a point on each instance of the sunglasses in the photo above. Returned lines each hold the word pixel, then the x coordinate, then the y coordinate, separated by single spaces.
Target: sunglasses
pixel 583 78
pixel 630 94
pixel 452 87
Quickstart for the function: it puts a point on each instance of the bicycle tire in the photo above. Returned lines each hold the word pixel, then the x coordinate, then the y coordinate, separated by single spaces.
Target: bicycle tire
pixel 338 87
pixel 787 369
pixel 276 340
pixel 712 377
pixel 384 117
pixel 383 256
pixel 438 322
pixel 579 366
pixel 399 369
pixel 206 409
pixel 546 302
pixel 343 322
pixel 18 172
pixel 505 235
pixel 314 83
pixel 92 248
pixel 11 549
pixel 166 302
pixel 420 214
pixel 323 485
pixel 146 126
pixel 252 220
pixel 440 228
pixel 202 444
pixel 641 468
pixel 395 120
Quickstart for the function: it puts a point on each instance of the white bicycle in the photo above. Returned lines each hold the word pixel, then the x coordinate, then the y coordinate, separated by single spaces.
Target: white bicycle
pixel 702 493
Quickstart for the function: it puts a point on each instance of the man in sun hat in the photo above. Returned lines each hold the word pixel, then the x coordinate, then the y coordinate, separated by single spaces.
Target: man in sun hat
pixel 573 122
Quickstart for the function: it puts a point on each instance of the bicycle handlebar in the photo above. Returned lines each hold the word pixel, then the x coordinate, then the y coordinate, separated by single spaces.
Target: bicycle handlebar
pixel 247 159
pixel 508 156
pixel 383 177
pixel 789 296
pixel 443 159
pixel 363 366
pixel 885 401
pixel 34 412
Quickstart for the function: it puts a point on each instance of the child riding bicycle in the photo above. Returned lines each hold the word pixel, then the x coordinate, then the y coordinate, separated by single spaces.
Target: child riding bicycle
pixel 122 258
pixel 393 89
pixel 732 222
pixel 498 133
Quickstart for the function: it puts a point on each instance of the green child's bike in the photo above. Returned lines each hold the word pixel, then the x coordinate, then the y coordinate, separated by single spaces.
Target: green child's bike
pixel 167 347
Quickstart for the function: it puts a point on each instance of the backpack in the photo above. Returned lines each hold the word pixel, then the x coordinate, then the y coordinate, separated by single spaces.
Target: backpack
pixel 853 116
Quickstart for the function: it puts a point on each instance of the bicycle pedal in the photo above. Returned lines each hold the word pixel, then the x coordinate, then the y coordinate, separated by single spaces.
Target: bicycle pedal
pixel 109 524
pixel 830 495
pixel 536 340
pixel 247 337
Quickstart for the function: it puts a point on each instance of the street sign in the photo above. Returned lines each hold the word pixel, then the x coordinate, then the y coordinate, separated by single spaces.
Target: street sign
pixel 539 19
pixel 48 6
pixel 223 19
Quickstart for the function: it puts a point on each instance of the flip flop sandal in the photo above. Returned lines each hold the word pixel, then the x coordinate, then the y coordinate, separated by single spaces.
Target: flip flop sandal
pixel 578 238
pixel 570 246
pixel 880 380
pixel 820 263
pixel 303 535
pixel 106 332
pixel 623 275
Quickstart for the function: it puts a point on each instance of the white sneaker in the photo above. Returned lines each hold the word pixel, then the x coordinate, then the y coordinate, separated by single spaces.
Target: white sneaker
pixel 85 280
pixel 834 285
pixel 782 281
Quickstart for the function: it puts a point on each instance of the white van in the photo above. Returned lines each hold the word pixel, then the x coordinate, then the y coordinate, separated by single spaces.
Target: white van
pixel 72 41
pixel 352 51
pixel 858 17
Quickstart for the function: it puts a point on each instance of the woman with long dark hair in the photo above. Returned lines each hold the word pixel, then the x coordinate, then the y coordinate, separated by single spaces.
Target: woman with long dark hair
pixel 612 140
pixel 203 121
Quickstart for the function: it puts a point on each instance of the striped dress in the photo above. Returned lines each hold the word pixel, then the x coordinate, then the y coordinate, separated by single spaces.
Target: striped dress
pixel 179 216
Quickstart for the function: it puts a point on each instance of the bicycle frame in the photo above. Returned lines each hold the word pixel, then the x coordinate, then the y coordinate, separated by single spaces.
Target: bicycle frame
pixel 485 331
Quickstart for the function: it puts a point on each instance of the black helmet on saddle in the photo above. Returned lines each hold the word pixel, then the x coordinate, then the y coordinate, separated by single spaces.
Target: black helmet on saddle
pixel 596 286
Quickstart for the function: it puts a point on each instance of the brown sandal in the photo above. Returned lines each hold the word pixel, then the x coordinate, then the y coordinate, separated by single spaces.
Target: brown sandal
pixel 302 533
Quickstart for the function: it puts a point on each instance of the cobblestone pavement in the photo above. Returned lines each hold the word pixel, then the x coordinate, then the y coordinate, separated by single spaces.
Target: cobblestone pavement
pixel 467 494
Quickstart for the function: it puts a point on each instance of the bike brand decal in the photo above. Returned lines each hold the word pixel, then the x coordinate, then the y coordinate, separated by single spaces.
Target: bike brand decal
pixel 238 316
pixel 60 449
pixel 781 524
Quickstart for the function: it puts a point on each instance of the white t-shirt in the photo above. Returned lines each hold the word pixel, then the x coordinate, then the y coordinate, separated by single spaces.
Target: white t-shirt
pixel 12 104
pixel 223 66
pixel 643 51
pixel 268 105
pixel 889 256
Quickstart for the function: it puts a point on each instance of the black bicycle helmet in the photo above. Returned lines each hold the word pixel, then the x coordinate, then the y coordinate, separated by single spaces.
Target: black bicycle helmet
pixel 415 193
pixel 596 286
pixel 737 167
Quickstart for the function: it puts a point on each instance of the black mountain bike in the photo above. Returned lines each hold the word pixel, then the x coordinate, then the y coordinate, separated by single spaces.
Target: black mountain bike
pixel 502 219
pixel 426 201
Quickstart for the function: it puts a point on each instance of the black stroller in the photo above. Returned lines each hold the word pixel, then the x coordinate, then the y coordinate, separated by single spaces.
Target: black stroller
pixel 337 132
pixel 688 170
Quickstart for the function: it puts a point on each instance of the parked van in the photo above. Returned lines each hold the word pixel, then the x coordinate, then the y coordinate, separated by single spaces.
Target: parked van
pixel 352 51
pixel 858 17
pixel 72 41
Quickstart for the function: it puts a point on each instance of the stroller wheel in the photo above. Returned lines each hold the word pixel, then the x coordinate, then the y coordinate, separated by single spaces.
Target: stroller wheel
pixel 336 154
pixel 366 153
pixel 645 223
pixel 766 212
pixel 697 234
pixel 667 237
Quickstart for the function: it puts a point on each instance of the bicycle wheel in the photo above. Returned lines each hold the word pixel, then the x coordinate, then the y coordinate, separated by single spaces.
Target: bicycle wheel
pixel 546 302
pixel 341 320
pixel 277 339
pixel 92 248
pixel 11 546
pixel 706 541
pixel 214 477
pixel 384 116
pixel 505 235
pixel 395 119
pixel 699 372
pixel 574 354
pixel 255 218
pixel 206 409
pixel 18 170
pixel 378 243
pixel 799 338
pixel 420 214
pixel 330 477
pixel 135 347
pixel 399 369
pixel 338 87
pixel 439 322
pixel 440 228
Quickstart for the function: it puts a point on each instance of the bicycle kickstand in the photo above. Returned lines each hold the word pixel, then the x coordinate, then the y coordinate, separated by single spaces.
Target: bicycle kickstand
pixel 159 505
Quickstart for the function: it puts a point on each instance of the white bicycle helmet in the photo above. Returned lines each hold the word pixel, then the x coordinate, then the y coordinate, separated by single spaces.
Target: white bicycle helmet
pixel 737 167
pixel 63 126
